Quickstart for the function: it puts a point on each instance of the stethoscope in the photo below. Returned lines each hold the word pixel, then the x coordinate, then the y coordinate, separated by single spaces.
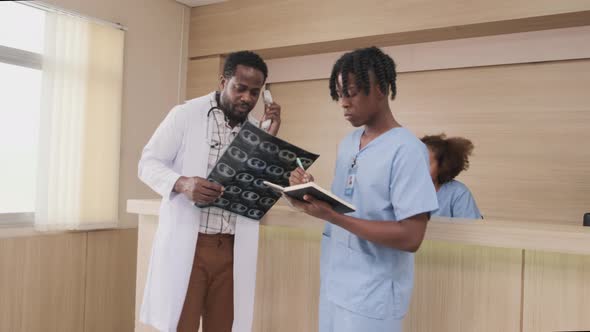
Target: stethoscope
pixel 214 107
pixel 214 102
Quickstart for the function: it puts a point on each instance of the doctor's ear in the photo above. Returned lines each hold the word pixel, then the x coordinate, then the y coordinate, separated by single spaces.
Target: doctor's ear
pixel 222 82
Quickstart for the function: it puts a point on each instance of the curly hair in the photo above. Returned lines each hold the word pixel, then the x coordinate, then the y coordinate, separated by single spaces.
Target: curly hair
pixel 359 63
pixel 452 155
pixel 244 58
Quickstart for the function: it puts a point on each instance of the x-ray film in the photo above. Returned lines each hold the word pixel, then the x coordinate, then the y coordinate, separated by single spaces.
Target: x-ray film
pixel 255 156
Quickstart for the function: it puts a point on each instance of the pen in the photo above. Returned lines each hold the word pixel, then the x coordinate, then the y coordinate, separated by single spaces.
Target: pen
pixel 299 163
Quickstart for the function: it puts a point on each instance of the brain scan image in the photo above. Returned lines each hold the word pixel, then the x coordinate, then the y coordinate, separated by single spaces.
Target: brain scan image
pixel 237 154
pixel 249 137
pixel 233 190
pixel 221 202
pixel 256 164
pixel 287 156
pixel 238 208
pixel 306 162
pixel 248 161
pixel 245 178
pixel 269 147
pixel 259 183
pixel 267 201
pixel 255 214
pixel 287 175
pixel 250 196
pixel 275 170
pixel 225 170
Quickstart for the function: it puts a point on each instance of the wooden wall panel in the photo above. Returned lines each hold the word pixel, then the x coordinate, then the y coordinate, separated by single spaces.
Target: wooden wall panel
pixel 457 287
pixel 463 288
pixel 525 47
pixel 287 284
pixel 110 280
pixel 42 281
pixel 279 27
pixel 527 122
pixel 68 282
pixel 556 292
pixel 203 76
pixel 311 120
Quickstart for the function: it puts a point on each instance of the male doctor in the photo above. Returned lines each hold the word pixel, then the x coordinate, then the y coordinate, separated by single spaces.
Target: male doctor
pixel 197 252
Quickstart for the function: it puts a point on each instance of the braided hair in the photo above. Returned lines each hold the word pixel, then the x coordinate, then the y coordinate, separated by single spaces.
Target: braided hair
pixel 359 63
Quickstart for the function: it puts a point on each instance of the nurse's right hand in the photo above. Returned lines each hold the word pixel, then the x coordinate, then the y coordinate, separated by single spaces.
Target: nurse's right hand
pixel 198 189
pixel 299 176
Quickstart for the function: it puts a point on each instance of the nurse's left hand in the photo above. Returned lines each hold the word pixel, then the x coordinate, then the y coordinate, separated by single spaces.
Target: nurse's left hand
pixel 313 207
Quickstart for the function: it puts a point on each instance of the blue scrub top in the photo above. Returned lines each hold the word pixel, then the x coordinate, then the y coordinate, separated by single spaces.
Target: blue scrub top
pixel 455 201
pixel 392 183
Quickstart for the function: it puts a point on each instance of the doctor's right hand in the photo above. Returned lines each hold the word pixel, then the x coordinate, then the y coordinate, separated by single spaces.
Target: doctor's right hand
pixel 198 189
pixel 299 176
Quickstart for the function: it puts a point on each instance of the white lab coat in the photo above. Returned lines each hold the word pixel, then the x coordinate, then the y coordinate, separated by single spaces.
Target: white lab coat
pixel 179 147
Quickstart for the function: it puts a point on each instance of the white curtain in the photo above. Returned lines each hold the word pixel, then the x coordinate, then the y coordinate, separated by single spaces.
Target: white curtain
pixel 79 148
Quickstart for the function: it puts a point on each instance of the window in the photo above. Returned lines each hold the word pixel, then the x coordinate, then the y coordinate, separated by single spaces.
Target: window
pixel 22 27
pixel 20 88
pixel 60 115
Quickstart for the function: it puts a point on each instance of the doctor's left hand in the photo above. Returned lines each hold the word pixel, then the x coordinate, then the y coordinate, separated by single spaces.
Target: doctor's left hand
pixel 313 207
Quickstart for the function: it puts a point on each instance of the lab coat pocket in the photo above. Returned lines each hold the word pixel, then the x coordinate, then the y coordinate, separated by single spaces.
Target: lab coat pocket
pixel 358 283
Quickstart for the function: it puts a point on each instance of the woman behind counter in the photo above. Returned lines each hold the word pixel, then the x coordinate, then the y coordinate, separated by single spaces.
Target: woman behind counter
pixel 448 158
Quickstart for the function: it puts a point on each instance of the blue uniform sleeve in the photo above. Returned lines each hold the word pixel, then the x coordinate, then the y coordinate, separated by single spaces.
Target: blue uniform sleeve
pixel 411 189
pixel 464 206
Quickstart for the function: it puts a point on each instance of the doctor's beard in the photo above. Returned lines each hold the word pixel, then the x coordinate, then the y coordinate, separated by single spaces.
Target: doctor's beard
pixel 235 112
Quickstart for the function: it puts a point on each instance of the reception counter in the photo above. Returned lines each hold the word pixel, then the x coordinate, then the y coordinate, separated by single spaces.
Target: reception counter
pixel 492 275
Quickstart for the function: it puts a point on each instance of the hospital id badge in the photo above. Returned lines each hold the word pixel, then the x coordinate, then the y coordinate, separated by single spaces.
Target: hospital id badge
pixel 349 187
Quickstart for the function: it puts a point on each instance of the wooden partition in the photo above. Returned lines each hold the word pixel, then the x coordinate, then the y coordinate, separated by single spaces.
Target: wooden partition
pixel 203 76
pixel 280 28
pixel 286 298
pixel 529 123
pixel 458 287
pixel 527 118
pixel 42 283
pixel 521 98
pixel 68 282
pixel 111 262
pixel 466 288
pixel 556 292
pixel 469 276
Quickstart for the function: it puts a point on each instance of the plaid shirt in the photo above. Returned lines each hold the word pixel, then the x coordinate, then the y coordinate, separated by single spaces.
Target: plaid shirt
pixel 219 136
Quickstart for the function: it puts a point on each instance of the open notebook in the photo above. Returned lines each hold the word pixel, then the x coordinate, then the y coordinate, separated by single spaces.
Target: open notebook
pixel 312 189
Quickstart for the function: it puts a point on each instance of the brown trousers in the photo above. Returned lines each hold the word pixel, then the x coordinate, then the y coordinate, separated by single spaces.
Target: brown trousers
pixel 210 291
